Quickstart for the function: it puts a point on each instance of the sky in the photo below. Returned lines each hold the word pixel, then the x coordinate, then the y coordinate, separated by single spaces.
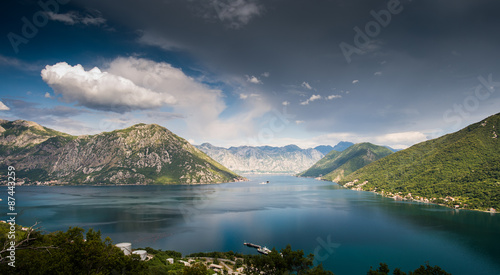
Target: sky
pixel 253 72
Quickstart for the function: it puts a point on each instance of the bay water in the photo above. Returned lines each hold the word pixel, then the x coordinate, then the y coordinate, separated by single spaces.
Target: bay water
pixel 348 231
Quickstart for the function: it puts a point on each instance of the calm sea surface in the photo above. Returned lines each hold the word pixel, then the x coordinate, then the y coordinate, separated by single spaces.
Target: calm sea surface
pixel 349 231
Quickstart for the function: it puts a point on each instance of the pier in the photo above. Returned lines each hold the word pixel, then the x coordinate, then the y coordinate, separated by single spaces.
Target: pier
pixel 261 249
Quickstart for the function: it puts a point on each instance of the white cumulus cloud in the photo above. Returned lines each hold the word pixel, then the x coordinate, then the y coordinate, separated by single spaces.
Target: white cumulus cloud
pixel 400 140
pixel 253 79
pixel 73 17
pixel 199 105
pixel 311 99
pixel 330 97
pixel 314 97
pixel 306 85
pixel 3 107
pixel 245 96
pixel 100 90
pixel 162 92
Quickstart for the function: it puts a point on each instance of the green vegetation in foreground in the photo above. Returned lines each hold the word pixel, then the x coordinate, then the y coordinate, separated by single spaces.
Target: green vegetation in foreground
pixel 460 170
pixel 422 270
pixel 73 252
pixel 336 165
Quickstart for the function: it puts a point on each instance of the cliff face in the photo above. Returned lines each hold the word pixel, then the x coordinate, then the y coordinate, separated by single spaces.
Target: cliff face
pixel 264 159
pixel 141 154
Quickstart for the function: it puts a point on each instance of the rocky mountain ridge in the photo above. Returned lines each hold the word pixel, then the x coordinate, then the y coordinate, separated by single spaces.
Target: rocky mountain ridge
pixel 289 159
pixel 140 154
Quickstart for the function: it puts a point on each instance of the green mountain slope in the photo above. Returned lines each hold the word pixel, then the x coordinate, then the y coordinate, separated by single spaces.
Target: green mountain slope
pixel 322 167
pixel 336 165
pixel 461 169
pixel 141 154
pixel 21 134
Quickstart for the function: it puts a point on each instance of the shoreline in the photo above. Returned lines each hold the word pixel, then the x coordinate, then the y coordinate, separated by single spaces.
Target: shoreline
pixel 54 183
pixel 400 198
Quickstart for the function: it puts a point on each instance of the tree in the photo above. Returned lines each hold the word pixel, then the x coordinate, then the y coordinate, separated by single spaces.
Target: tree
pixel 383 269
pixel 429 270
pixel 285 262
pixel 70 253
pixel 238 263
pixel 295 260
pixel 422 270
pixel 318 270
pixel 196 269
pixel 23 239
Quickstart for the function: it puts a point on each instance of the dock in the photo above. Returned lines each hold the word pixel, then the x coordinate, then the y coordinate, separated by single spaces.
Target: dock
pixel 252 245
pixel 261 249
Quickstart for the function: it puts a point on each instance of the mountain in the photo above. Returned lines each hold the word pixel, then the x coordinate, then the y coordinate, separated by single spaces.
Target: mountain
pixel 461 169
pixel 336 165
pixel 263 159
pixel 324 149
pixel 141 154
pixel 392 149
pixel 341 146
pixel 22 133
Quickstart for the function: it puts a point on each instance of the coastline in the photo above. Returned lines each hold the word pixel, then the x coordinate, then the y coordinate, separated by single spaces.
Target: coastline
pixel 58 183
pixel 397 197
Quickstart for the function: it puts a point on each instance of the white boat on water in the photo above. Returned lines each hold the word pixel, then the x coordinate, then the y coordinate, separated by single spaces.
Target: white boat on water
pixel 264 182
pixel 264 250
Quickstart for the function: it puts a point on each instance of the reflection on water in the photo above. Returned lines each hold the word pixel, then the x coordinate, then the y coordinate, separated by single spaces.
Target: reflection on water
pixel 365 228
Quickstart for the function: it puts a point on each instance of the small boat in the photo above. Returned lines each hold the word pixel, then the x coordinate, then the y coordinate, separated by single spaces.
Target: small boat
pixel 264 250
pixel 264 182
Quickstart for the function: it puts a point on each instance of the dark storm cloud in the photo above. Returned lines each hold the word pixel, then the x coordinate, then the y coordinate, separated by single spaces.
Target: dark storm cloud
pixel 410 67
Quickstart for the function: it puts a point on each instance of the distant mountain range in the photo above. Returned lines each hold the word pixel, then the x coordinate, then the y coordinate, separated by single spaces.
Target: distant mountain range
pixel 336 165
pixel 460 170
pixel 263 159
pixel 289 159
pixel 341 146
pixel 141 154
